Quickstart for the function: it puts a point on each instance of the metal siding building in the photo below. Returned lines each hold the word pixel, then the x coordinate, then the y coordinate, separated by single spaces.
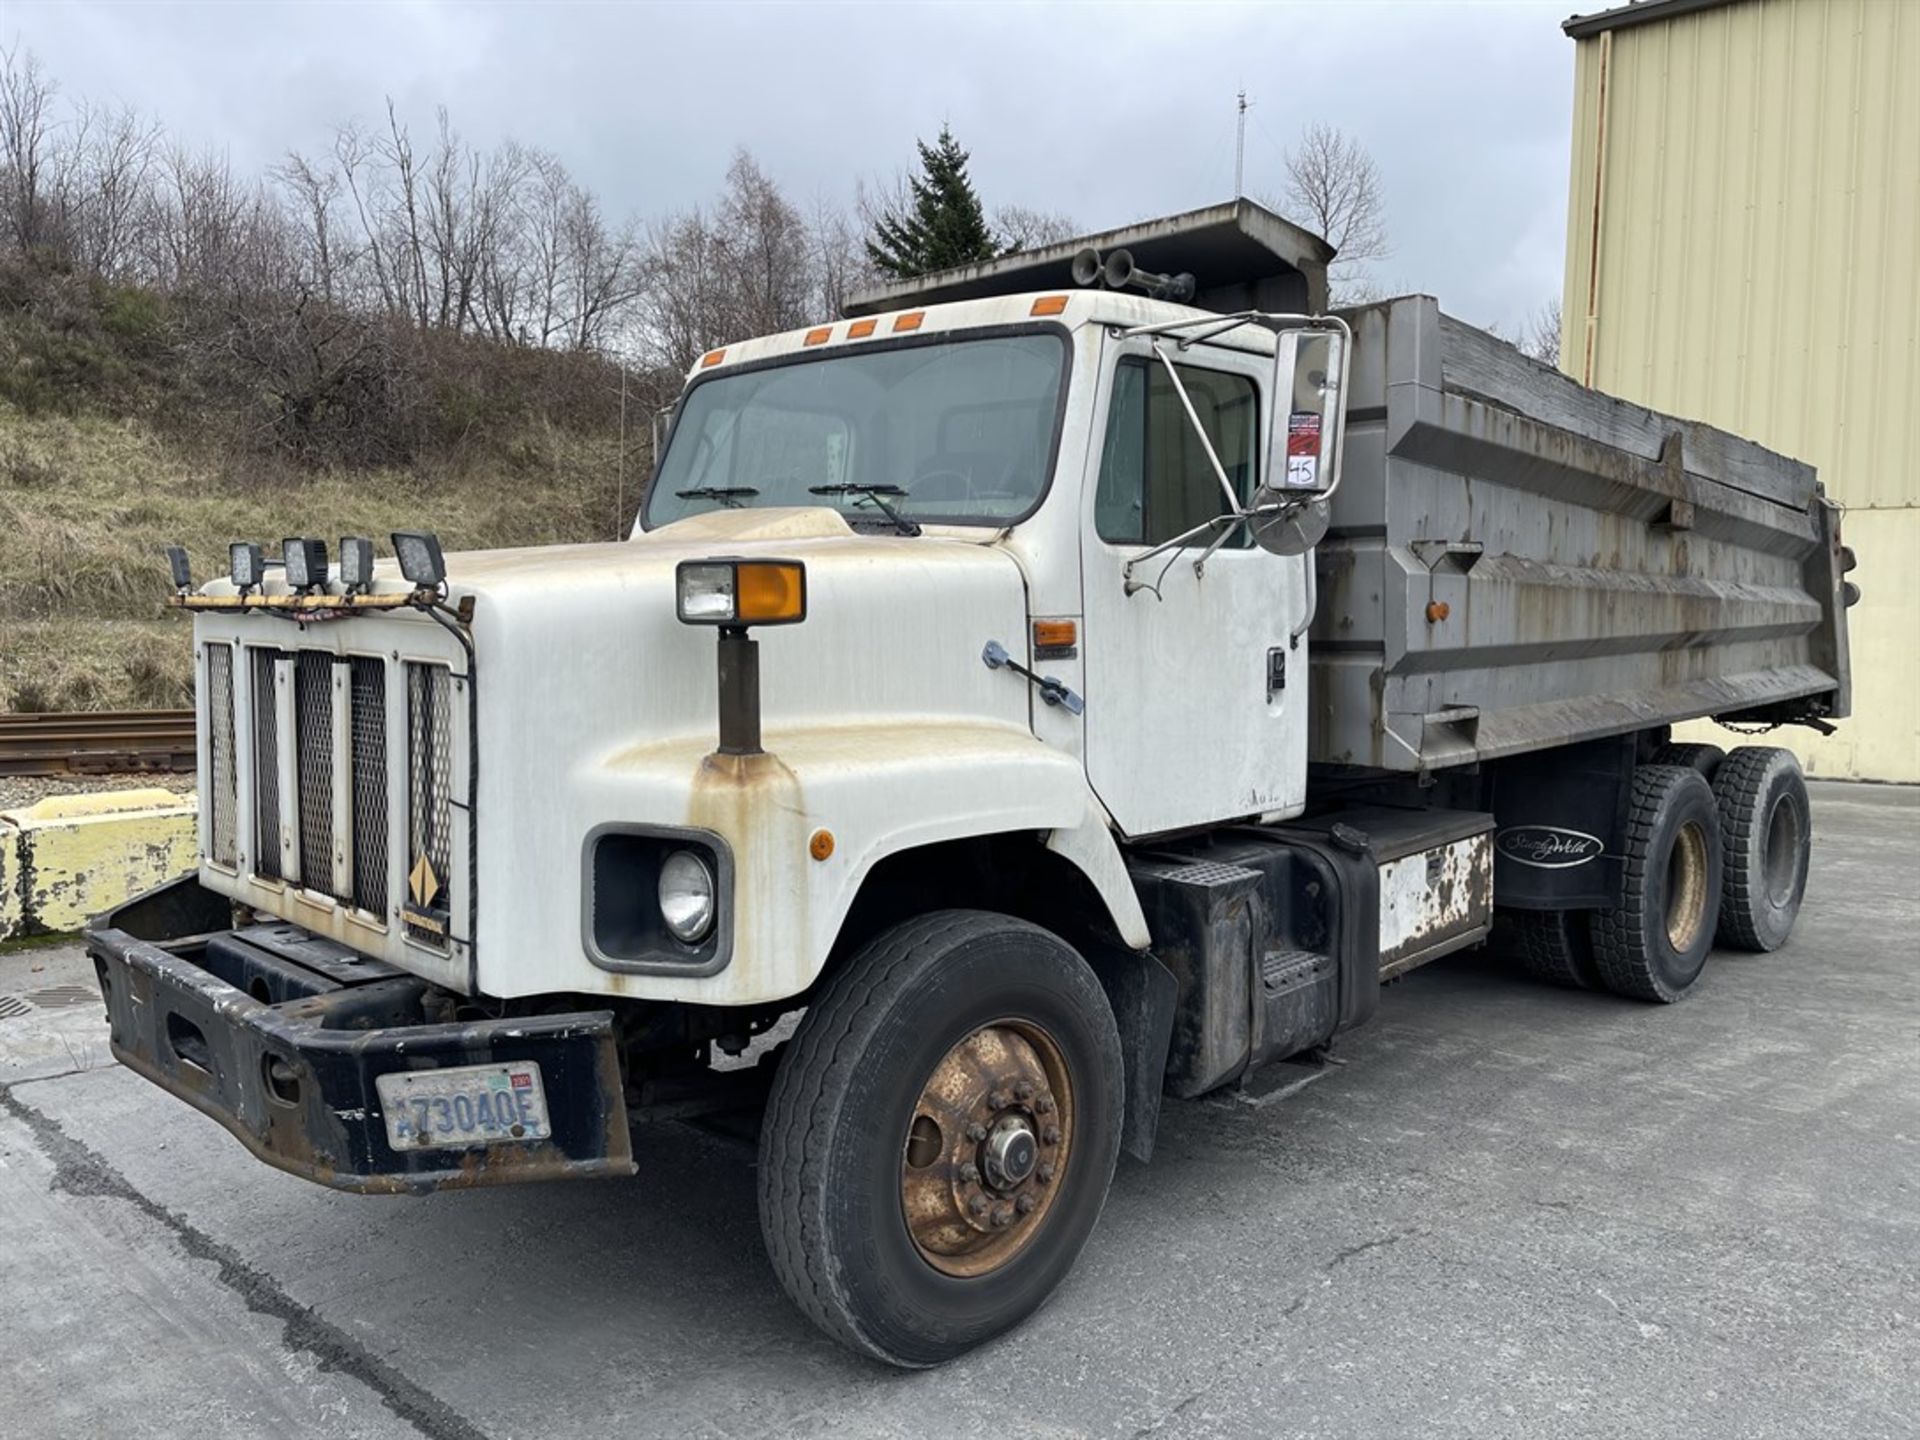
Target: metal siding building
pixel 1743 247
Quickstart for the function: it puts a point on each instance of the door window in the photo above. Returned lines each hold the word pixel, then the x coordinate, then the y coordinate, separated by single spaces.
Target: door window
pixel 1155 482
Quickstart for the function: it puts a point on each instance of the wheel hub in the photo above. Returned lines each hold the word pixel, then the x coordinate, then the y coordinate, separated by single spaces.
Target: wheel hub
pixel 990 1136
pixel 1011 1152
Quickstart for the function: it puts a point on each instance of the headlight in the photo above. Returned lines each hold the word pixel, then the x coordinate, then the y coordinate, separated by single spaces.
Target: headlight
pixel 741 592
pixel 686 896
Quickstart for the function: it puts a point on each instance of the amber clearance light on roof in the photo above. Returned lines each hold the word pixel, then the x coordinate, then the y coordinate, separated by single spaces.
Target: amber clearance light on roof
pixel 1049 305
pixel 712 358
pixel 860 329
pixel 909 321
pixel 820 335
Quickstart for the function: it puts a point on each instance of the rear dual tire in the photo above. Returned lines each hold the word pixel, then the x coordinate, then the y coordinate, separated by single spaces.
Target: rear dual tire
pixel 1653 945
pixel 1766 826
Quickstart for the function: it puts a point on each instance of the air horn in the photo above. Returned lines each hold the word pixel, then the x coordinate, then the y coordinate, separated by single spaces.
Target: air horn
pixel 1120 273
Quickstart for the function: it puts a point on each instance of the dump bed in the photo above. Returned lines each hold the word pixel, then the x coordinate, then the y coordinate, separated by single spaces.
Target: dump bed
pixel 1516 561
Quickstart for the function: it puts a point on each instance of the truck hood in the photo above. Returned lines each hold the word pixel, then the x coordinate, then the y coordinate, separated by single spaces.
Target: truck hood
pixel 578 649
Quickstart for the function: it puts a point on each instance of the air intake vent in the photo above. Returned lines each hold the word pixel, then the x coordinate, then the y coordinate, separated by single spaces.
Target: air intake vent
pixel 313 735
pixel 266 766
pixel 429 802
pixel 223 795
pixel 369 686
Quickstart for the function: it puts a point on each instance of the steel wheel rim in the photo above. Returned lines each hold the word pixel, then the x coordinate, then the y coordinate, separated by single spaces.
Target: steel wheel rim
pixel 973 1193
pixel 1780 866
pixel 1686 886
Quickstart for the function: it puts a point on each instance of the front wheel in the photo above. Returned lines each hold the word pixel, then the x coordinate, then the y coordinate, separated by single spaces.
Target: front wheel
pixel 941 1135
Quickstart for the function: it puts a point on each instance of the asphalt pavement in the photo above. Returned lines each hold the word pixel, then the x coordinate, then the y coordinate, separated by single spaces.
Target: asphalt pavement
pixel 1509 1211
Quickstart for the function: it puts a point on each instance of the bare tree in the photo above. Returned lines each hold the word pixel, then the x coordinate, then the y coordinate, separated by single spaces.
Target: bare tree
pixel 767 245
pixel 1022 228
pixel 1542 338
pixel 107 173
pixel 26 146
pixel 1333 189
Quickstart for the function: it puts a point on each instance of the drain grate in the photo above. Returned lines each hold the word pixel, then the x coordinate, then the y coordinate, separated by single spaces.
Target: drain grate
pixel 63 997
pixel 12 1007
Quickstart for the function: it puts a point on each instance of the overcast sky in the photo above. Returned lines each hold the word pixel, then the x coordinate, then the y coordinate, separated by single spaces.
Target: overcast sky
pixel 1108 112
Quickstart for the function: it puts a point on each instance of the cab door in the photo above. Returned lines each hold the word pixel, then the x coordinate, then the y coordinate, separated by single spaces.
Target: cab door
pixel 1195 692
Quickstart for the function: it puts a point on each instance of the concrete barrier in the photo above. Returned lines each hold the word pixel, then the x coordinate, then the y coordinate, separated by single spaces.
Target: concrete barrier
pixel 68 857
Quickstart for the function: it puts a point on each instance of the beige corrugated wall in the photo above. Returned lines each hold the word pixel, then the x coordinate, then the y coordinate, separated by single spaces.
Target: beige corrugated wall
pixel 1756 171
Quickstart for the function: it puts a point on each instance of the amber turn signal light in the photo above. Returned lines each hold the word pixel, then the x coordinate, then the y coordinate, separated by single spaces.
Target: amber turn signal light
pixel 734 592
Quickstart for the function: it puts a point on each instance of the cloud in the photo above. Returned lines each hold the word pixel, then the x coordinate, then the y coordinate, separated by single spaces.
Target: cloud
pixel 1109 113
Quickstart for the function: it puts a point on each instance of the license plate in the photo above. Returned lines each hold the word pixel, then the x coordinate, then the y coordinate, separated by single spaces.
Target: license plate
pixel 464 1106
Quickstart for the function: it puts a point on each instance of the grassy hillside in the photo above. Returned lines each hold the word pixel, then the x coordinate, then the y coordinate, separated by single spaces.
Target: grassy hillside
pixel 117 438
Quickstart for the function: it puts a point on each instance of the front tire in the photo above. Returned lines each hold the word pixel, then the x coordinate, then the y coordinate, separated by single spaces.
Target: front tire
pixel 1654 945
pixel 941 1136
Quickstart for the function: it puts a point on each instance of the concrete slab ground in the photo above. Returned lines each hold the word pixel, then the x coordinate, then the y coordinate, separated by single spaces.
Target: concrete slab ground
pixel 1511 1211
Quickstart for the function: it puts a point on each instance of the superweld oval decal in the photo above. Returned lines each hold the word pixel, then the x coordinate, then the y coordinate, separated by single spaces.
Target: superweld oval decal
pixel 1549 847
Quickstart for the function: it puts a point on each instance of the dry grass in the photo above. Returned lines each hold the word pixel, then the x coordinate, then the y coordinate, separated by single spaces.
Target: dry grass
pixel 87 502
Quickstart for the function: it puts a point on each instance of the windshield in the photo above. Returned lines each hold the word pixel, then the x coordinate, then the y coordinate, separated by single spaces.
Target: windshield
pixel 951 431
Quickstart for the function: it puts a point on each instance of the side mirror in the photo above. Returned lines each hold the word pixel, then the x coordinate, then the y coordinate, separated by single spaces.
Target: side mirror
pixel 1309 385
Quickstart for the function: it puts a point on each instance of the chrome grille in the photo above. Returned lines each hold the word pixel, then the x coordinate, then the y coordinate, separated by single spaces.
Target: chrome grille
pixel 223 798
pixel 429 801
pixel 266 767
pixel 313 737
pixel 369 701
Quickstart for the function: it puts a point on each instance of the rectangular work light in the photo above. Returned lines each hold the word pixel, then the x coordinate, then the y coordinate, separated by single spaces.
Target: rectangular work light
pixel 178 567
pixel 246 564
pixel 356 562
pixel 305 562
pixel 420 558
pixel 741 592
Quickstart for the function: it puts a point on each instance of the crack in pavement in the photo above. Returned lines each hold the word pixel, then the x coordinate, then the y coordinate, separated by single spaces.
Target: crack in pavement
pixel 80 1170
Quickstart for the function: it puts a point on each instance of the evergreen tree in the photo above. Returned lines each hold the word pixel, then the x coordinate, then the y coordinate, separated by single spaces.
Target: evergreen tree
pixel 943 227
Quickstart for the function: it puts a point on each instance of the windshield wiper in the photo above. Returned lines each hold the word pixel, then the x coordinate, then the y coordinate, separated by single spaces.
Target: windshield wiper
pixel 725 494
pixel 873 493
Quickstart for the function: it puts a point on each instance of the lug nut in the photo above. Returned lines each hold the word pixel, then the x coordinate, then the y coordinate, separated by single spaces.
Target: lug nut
pixel 1024 1204
pixel 1045 1172
pixel 1051 1135
pixel 1044 1104
pixel 976 1131
pixel 1024 1090
pixel 1003 1217
pixel 999 1099
pixel 977 1205
pixel 969 1173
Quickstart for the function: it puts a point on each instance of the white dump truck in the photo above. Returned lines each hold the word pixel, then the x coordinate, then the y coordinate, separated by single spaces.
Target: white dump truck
pixel 1076 679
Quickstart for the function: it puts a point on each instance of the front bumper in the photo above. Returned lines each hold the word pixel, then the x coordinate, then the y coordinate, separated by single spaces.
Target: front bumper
pixel 289 1068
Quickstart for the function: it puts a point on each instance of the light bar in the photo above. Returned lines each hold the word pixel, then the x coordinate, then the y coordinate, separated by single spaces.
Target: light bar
pixel 741 592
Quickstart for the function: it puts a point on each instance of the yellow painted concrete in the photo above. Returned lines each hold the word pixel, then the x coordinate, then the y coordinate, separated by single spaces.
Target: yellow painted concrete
pixel 9 881
pixel 70 857
pixel 1743 227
